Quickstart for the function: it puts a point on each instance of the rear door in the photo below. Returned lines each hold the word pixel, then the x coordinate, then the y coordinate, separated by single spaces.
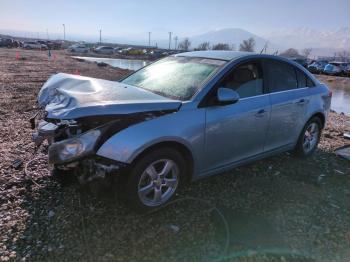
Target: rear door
pixel 289 99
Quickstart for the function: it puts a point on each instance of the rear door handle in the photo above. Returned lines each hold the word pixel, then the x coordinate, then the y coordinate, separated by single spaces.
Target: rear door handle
pixel 260 113
pixel 302 101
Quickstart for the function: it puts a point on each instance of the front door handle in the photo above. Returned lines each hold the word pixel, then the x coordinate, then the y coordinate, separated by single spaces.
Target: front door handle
pixel 260 113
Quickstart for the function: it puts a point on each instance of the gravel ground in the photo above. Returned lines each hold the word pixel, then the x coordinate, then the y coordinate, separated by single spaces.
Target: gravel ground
pixel 279 209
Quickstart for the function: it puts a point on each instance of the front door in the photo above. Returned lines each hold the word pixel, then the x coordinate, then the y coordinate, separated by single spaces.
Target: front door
pixel 237 131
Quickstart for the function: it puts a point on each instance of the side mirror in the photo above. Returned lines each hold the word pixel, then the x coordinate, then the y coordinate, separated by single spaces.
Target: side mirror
pixel 227 96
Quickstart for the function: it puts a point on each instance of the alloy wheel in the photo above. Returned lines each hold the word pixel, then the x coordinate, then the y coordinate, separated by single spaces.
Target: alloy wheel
pixel 158 182
pixel 311 137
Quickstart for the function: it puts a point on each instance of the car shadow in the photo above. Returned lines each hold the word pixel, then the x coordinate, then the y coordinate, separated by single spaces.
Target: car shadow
pixel 275 207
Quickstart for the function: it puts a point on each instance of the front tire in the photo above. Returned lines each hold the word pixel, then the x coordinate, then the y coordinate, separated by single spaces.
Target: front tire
pixel 154 179
pixel 309 138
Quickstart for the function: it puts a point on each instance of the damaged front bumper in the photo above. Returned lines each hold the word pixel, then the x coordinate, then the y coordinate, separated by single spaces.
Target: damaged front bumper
pixel 45 130
pixel 94 169
pixel 70 149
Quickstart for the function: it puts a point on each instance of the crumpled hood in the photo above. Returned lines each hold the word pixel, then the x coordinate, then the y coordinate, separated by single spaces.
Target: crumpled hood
pixel 66 96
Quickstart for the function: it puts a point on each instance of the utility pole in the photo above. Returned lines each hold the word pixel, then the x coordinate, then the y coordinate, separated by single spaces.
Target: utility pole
pixel 64 32
pixel 100 36
pixel 47 34
pixel 149 38
pixel 175 38
pixel 170 39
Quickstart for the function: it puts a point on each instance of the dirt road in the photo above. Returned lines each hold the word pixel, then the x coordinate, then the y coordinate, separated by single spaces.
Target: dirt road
pixel 275 209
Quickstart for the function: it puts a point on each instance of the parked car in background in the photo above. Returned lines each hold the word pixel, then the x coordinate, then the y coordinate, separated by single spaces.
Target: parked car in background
pixel 336 68
pixel 317 66
pixel 301 61
pixel 116 49
pixel 50 44
pixel 54 45
pixel 182 118
pixel 34 45
pixel 156 53
pixel 78 48
pixel 18 43
pixel 125 50
pixel 8 42
pixel 104 50
pixel 347 70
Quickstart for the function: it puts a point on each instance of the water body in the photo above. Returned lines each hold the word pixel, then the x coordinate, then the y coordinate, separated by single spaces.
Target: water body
pixel 340 100
pixel 120 63
pixel 340 87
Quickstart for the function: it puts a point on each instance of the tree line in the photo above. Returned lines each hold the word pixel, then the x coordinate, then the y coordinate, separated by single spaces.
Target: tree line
pixel 246 45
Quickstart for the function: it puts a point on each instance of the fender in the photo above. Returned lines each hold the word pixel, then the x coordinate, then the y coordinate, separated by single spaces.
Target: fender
pixel 186 127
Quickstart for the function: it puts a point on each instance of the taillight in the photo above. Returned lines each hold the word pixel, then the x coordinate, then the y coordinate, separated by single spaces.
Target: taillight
pixel 330 93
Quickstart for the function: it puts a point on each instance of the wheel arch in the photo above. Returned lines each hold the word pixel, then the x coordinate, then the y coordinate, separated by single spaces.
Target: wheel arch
pixel 180 147
pixel 321 116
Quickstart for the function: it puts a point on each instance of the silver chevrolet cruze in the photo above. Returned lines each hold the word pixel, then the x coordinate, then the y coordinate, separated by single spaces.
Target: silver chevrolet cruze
pixel 182 118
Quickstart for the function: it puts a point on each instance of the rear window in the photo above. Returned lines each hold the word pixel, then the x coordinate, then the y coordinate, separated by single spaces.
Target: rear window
pixel 282 76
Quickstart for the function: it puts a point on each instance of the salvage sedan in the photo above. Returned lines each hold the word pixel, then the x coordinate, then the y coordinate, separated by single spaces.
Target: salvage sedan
pixel 182 118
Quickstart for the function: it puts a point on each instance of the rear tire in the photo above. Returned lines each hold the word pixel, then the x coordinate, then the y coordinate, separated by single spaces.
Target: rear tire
pixel 154 179
pixel 309 138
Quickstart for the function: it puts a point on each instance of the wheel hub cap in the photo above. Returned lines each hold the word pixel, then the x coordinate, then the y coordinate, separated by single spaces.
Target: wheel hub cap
pixel 311 137
pixel 158 182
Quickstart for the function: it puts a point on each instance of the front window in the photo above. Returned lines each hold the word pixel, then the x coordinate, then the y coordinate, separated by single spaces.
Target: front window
pixel 175 77
pixel 246 80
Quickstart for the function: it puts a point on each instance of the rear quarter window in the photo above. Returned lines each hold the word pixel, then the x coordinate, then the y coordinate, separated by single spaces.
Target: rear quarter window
pixel 303 79
pixel 309 82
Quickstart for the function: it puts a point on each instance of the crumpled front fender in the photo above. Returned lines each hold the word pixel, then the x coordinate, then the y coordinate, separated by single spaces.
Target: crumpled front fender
pixel 184 127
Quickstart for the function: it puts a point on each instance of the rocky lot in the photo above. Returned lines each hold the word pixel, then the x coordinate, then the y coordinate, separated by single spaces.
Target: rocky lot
pixel 279 209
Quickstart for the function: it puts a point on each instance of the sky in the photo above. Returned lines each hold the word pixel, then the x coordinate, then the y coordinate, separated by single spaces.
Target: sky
pixel 134 18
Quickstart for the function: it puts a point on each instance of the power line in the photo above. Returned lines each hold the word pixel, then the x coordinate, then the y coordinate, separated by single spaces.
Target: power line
pixel 64 32
pixel 175 38
pixel 170 39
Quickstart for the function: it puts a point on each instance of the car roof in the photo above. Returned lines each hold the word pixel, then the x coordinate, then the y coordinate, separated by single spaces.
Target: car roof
pixel 216 54
pixel 233 55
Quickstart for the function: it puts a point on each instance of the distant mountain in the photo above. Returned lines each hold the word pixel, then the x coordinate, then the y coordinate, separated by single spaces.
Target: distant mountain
pixel 231 36
pixel 304 37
